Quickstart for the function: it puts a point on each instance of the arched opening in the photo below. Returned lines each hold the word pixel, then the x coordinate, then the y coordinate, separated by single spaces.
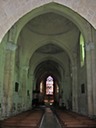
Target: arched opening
pixel 46 44
pixel 49 90
pixel 49 86
pixel 43 73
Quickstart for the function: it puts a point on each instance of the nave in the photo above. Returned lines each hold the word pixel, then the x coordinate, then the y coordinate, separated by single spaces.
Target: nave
pixel 48 117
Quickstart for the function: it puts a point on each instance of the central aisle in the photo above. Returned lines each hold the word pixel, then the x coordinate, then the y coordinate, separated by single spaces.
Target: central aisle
pixel 49 120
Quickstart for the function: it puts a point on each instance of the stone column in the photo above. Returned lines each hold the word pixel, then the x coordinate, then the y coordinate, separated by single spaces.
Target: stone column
pixel 63 85
pixel 31 83
pixel 8 82
pixel 74 85
pixel 91 78
pixel 31 80
pixel 74 89
pixel 24 82
pixel 93 66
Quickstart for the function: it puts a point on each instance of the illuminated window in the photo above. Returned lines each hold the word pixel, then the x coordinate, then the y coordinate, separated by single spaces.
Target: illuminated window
pixel 49 85
pixel 57 89
pixel 82 50
pixel 41 87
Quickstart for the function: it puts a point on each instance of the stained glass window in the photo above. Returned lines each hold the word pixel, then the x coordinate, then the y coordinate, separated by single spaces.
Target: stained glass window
pixel 41 87
pixel 49 85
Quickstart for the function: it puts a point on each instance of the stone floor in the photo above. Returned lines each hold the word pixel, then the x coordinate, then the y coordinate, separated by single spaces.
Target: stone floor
pixel 49 120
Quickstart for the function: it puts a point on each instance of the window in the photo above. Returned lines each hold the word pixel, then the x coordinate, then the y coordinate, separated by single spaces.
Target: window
pixel 82 51
pixel 41 87
pixel 57 89
pixel 16 86
pixel 28 94
pixel 82 88
pixel 49 85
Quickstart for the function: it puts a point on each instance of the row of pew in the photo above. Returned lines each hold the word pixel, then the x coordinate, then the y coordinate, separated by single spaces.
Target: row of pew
pixel 70 119
pixel 32 119
pixel 28 119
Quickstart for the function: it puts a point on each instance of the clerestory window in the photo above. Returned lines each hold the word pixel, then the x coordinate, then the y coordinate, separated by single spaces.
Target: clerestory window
pixel 82 51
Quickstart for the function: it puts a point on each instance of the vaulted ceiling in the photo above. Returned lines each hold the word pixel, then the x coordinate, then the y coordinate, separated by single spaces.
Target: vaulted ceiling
pixel 45 38
pixel 50 24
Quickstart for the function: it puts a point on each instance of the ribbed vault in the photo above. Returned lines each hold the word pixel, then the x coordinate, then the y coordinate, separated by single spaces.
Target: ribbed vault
pixel 47 68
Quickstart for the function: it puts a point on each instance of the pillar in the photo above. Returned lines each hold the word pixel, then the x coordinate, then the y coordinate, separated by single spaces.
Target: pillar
pixel 74 85
pixel 24 84
pixel 8 82
pixel 91 78
pixel 32 85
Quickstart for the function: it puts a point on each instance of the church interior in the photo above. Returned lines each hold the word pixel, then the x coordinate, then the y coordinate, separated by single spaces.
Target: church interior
pixel 48 58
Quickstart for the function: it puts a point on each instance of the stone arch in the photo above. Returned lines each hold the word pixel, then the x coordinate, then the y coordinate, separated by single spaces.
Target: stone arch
pixel 39 74
pixel 44 59
pixel 56 8
pixel 57 43
pixel 12 11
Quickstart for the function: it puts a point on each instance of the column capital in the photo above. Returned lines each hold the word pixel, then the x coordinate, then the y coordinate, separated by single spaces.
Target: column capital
pixel 11 46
